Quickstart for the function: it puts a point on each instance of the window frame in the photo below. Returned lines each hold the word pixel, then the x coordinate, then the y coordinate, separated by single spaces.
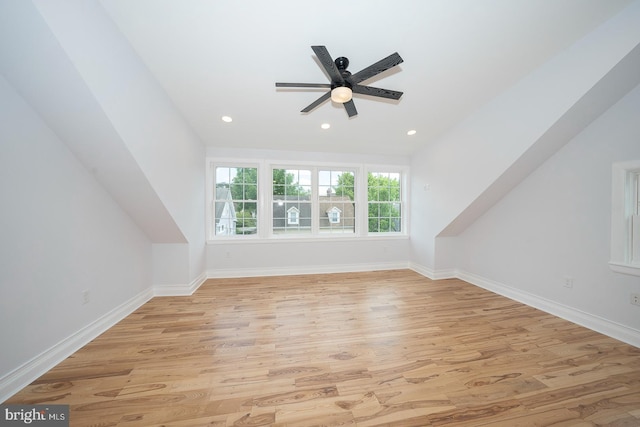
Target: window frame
pixel 625 205
pixel 315 169
pixel 634 256
pixel 403 197
pixel 265 200
pixel 212 199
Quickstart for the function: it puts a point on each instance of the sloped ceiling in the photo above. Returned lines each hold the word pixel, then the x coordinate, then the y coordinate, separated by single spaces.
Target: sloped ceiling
pixel 216 58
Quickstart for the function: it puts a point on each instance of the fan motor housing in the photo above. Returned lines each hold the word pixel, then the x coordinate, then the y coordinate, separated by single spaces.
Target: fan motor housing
pixel 342 63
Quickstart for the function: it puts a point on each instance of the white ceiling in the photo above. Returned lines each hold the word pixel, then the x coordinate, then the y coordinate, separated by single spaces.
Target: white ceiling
pixel 223 57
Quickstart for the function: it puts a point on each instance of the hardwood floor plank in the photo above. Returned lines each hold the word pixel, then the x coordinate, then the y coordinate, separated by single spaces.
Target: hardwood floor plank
pixel 366 349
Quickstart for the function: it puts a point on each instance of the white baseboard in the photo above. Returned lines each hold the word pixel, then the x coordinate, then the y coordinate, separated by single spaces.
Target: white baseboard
pixel 432 274
pixel 20 377
pixel 17 379
pixel 595 323
pixel 179 289
pixel 314 269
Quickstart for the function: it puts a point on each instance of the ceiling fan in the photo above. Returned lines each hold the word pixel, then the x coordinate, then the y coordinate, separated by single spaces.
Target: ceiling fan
pixel 344 84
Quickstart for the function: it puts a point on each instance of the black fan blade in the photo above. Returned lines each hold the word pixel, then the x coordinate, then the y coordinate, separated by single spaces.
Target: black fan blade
pixel 376 91
pixel 377 68
pixel 322 85
pixel 327 62
pixel 351 108
pixel 317 102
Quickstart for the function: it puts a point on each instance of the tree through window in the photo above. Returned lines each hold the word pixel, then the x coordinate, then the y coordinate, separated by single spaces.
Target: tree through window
pixel 235 200
pixel 384 201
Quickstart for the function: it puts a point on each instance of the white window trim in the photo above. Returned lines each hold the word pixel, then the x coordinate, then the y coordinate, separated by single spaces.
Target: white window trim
pixel 622 208
pixel 265 199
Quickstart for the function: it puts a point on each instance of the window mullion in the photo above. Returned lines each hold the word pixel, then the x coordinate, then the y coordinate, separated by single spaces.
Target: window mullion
pixel 265 191
pixel 361 203
pixel 637 193
pixel 634 223
pixel 315 203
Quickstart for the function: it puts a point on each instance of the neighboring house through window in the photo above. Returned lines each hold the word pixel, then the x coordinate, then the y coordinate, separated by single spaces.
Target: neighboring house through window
pixel 291 201
pixel 225 213
pixel 313 200
pixel 337 201
pixel 334 215
pixel 293 216
pixel 235 200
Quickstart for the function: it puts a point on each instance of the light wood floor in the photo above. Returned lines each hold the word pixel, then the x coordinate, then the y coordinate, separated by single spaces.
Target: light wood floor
pixel 383 348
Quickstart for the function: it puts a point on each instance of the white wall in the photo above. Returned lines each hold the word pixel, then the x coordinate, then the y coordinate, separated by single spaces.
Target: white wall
pixel 163 145
pixel 272 256
pixel 476 163
pixel 556 224
pixel 60 234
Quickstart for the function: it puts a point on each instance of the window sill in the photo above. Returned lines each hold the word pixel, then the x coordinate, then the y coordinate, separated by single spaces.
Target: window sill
pixel 630 269
pixel 296 239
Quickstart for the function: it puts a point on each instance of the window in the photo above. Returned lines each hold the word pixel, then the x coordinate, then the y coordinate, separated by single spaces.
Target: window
pixel 384 202
pixel 235 207
pixel 313 201
pixel 625 218
pixel 302 200
pixel 291 201
pixel 336 201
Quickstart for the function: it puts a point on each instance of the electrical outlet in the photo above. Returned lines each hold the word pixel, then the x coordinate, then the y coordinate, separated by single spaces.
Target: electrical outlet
pixel 635 299
pixel 85 297
pixel 568 282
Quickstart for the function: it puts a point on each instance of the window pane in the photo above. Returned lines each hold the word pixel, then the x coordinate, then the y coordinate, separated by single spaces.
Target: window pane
pixel 291 207
pixel 373 225
pixel 324 178
pixel 247 218
pixel 336 192
pixel 235 207
pixel 384 202
pixel 291 184
pixel 250 192
pixel 291 215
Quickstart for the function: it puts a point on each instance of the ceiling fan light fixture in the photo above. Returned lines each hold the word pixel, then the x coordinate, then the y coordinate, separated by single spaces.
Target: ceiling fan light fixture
pixel 341 94
pixel 343 84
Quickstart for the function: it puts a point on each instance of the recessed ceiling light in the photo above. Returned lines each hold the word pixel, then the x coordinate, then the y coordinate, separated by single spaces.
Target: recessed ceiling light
pixel 227 119
pixel 411 132
pixel 325 126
